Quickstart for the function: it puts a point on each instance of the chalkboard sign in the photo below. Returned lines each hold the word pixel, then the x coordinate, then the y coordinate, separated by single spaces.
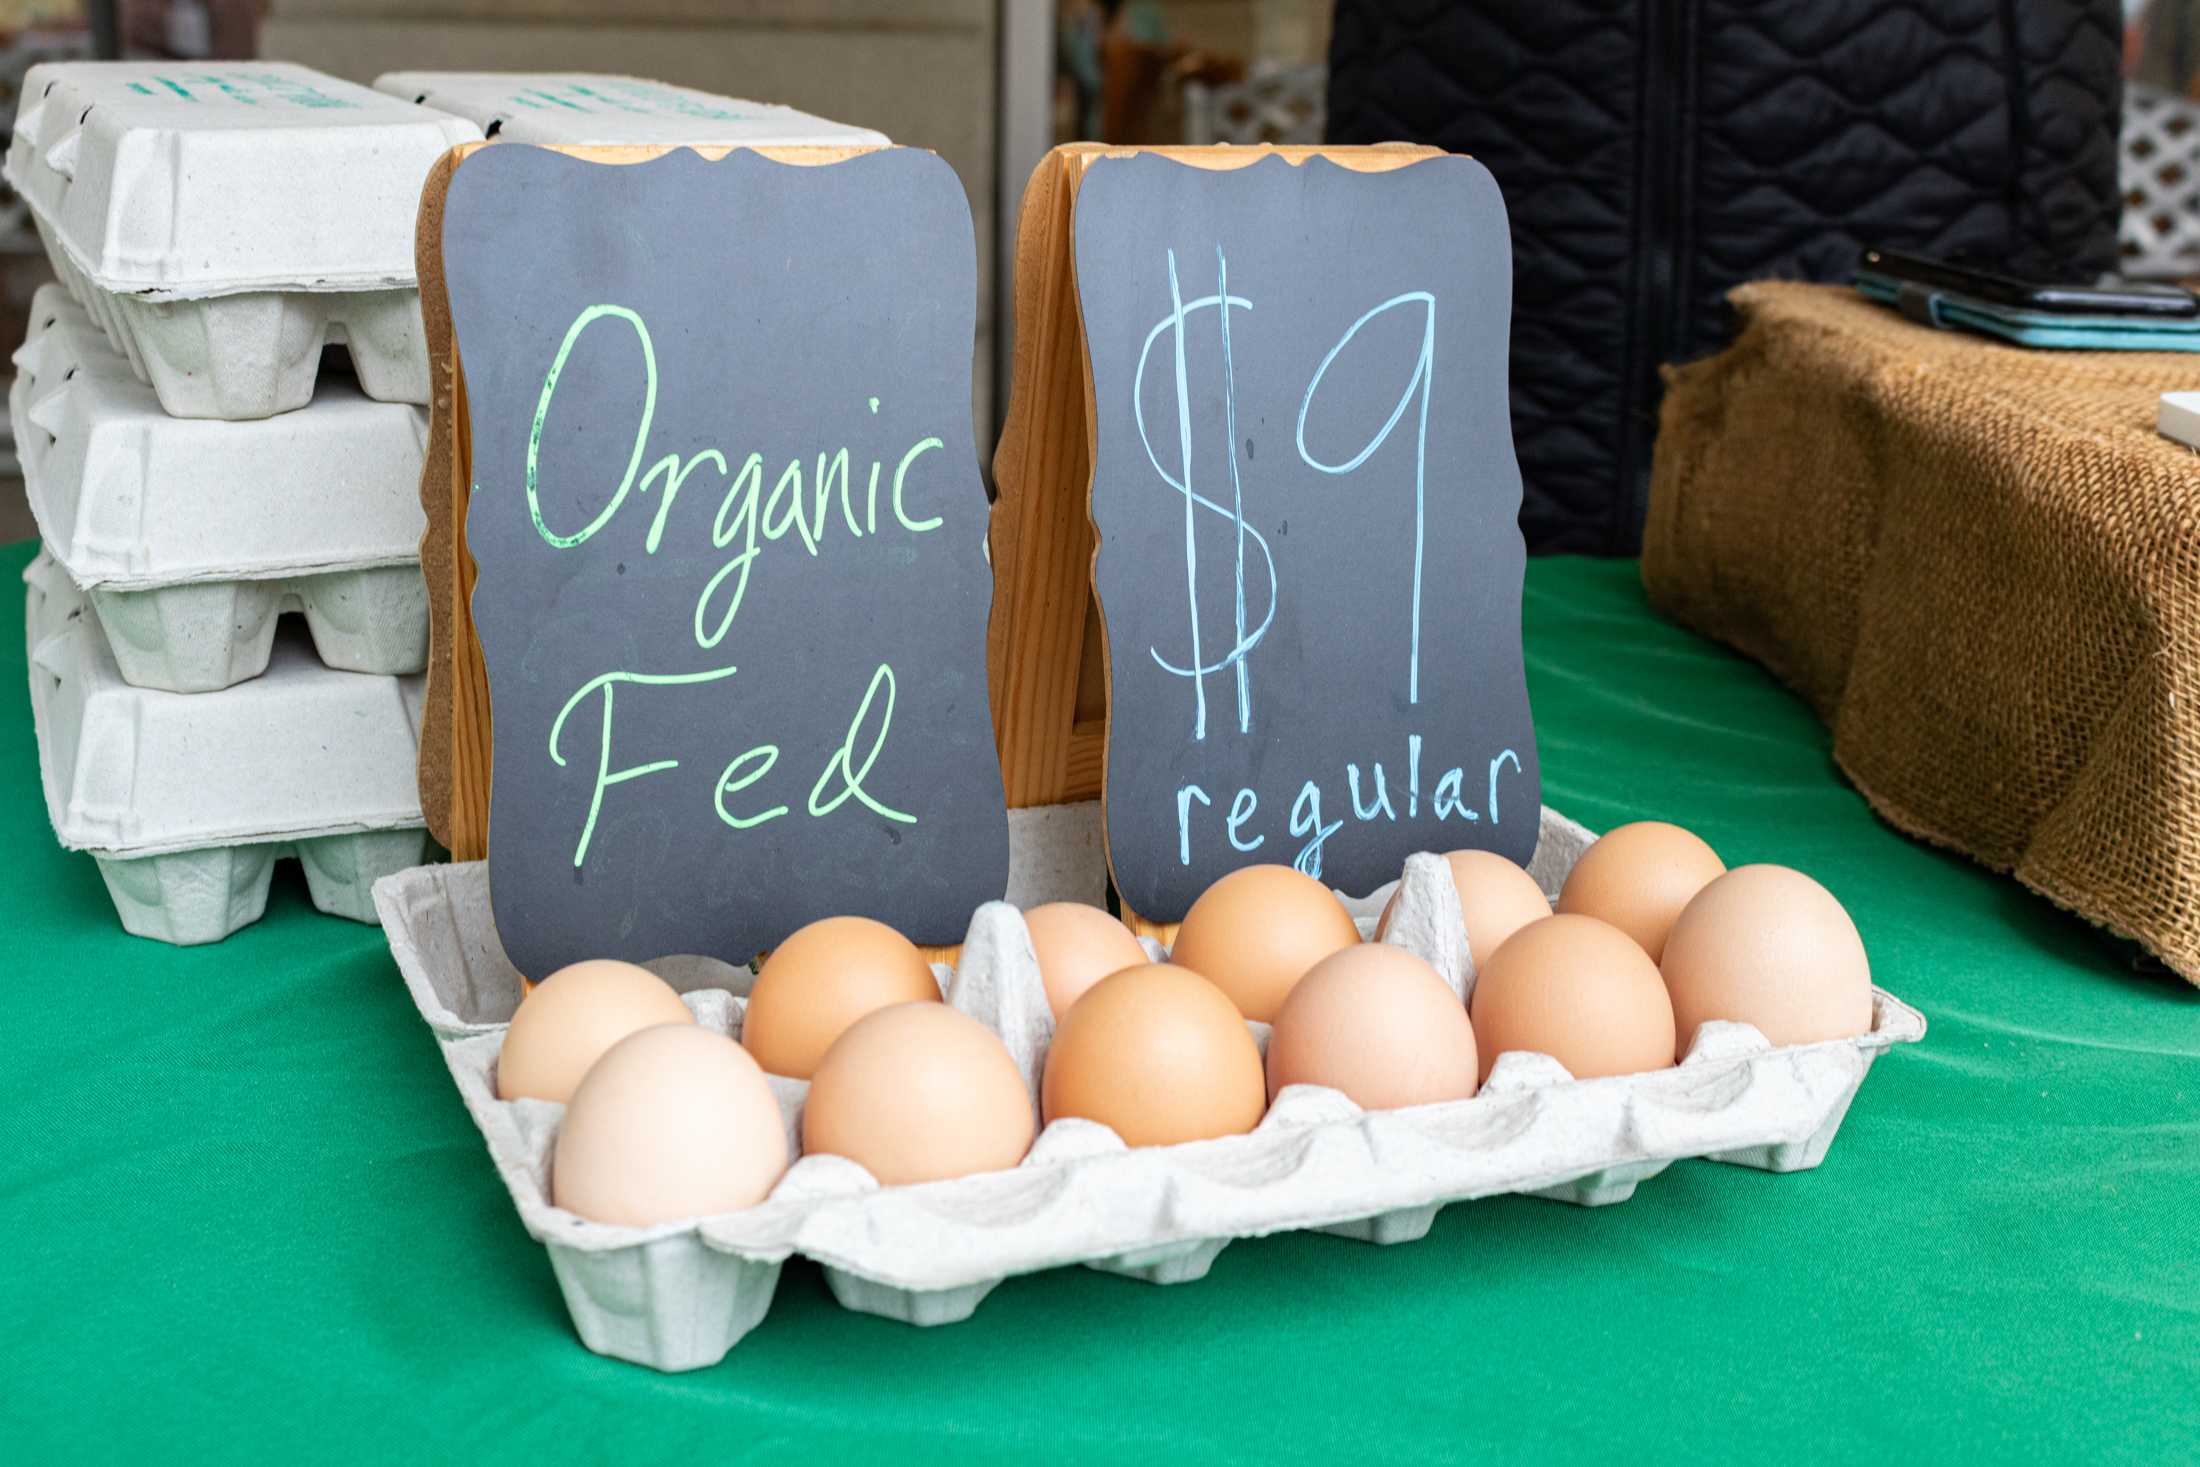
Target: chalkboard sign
pixel 1309 566
pixel 732 590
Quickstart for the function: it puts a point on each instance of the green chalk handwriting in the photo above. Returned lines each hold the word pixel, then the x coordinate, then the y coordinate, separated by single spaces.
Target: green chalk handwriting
pixel 605 778
pixel 851 781
pixel 542 412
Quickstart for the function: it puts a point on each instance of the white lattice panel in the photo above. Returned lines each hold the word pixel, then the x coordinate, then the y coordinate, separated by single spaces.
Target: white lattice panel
pixel 1280 105
pixel 2161 180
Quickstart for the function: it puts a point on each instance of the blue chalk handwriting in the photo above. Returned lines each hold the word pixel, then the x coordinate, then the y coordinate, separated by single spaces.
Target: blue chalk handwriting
pixel 1197 669
pixel 1423 382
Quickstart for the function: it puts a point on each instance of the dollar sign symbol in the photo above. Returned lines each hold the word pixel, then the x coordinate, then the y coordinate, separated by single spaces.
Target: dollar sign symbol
pixel 1195 668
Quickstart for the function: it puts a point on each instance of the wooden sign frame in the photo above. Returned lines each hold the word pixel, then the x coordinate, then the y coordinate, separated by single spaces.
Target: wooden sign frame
pixel 454 764
pixel 1049 697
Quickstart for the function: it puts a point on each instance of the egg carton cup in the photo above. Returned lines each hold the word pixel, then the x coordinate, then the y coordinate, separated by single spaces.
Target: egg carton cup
pixel 186 801
pixel 580 108
pixel 678 1296
pixel 225 221
pixel 191 538
pixel 256 353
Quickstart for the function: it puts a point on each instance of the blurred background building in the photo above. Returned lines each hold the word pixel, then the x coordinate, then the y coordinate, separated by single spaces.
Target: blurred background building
pixel 988 84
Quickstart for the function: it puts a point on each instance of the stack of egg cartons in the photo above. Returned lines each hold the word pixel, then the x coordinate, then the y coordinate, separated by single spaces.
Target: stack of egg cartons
pixel 196 471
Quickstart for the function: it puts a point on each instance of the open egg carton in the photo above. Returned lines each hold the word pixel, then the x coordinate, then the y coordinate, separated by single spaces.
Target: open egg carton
pixel 191 538
pixel 223 221
pixel 678 1296
pixel 186 800
pixel 574 107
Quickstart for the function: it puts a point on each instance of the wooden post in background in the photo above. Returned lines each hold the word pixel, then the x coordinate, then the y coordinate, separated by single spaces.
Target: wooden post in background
pixel 1041 537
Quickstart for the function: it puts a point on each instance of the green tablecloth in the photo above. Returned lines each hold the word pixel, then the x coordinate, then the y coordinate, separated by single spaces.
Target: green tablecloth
pixel 246 1217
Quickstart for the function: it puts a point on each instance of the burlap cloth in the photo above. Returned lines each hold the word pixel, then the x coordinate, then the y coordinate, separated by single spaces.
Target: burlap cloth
pixel 1980 564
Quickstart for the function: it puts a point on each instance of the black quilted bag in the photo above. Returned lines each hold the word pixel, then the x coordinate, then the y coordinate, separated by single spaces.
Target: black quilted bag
pixel 1654 153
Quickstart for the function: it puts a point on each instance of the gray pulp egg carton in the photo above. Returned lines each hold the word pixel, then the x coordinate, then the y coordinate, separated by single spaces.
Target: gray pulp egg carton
pixel 223 221
pixel 185 800
pixel 191 538
pixel 680 1295
pixel 575 107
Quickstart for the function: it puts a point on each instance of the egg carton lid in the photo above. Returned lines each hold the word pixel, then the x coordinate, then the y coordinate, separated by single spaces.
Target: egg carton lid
pixel 580 107
pixel 128 497
pixel 299 752
pixel 928 1253
pixel 183 180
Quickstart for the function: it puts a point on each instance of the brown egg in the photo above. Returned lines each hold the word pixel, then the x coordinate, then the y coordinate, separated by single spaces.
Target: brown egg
pixel 1254 932
pixel 1496 897
pixel 917 1093
pixel 673 1122
pixel 1377 1023
pixel 1638 877
pixel 1078 946
pixel 568 1020
pixel 1578 990
pixel 1160 1055
pixel 1768 946
pixel 822 979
